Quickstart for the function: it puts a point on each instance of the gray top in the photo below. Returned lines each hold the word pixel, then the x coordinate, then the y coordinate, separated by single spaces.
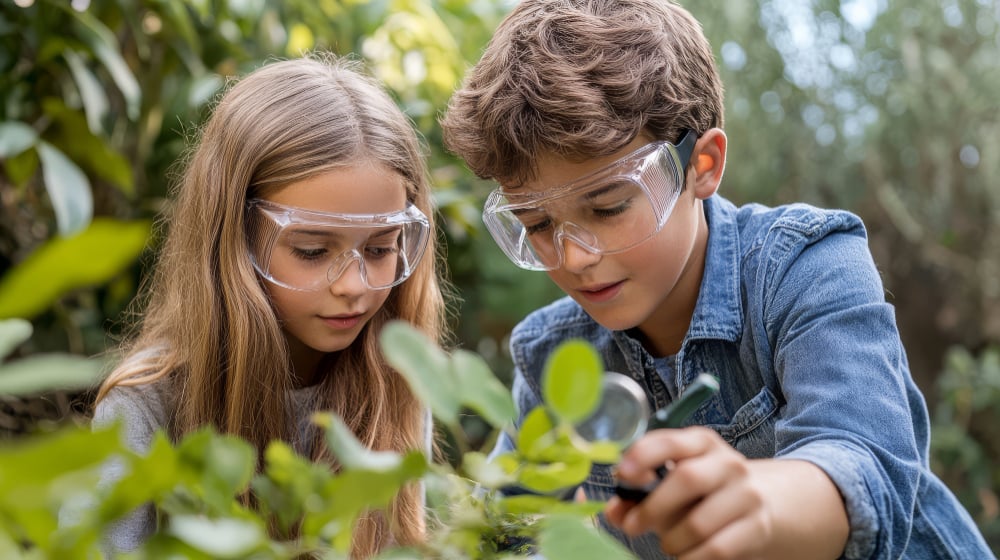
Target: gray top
pixel 142 411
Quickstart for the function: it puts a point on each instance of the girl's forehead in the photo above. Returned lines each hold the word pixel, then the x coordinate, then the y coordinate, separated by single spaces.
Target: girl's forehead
pixel 360 189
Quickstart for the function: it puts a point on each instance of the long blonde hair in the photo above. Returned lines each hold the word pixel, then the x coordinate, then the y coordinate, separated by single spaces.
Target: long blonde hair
pixel 209 329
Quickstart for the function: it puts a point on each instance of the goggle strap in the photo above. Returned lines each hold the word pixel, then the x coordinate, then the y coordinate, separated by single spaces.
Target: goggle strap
pixel 685 147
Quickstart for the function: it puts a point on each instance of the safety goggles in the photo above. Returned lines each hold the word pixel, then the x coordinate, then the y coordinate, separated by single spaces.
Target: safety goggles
pixel 308 250
pixel 606 211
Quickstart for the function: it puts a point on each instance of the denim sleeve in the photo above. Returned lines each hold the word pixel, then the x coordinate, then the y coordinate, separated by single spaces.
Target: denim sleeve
pixel 851 407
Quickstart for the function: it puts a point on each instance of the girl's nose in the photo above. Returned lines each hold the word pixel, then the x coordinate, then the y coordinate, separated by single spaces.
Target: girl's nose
pixel 349 280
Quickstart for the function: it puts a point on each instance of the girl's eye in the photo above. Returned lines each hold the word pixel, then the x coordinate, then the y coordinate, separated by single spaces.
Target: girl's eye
pixel 380 251
pixel 309 254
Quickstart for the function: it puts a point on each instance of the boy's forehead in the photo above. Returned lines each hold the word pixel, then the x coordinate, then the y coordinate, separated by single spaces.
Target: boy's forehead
pixel 554 170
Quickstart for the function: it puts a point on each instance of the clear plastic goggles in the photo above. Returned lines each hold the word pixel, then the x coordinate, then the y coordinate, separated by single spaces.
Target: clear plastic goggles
pixel 607 211
pixel 307 250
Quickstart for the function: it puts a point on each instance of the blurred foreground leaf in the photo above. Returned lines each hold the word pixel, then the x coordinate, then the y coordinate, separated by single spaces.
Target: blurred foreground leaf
pixel 89 258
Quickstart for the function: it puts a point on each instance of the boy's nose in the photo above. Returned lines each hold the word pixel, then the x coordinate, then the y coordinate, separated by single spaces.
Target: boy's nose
pixel 577 258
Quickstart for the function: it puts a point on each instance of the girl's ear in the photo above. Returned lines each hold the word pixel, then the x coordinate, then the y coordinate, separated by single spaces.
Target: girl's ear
pixel 709 158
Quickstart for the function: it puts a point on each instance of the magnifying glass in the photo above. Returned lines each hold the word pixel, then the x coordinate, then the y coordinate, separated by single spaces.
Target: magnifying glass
pixel 623 416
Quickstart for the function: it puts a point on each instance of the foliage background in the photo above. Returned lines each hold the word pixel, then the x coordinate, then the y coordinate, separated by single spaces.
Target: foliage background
pixel 885 108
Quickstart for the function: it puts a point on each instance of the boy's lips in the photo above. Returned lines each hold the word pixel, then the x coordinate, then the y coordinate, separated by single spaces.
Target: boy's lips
pixel 601 292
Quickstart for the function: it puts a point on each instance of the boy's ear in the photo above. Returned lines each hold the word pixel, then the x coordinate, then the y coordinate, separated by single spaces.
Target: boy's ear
pixel 709 158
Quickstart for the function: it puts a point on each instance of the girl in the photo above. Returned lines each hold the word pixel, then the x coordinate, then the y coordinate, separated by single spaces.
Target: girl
pixel 302 224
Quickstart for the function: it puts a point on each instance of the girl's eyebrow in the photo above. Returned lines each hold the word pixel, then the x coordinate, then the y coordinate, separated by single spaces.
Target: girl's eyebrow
pixel 385 232
pixel 310 232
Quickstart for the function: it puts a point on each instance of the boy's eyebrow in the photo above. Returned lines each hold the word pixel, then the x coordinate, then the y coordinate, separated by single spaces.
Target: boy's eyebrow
pixel 523 211
pixel 591 195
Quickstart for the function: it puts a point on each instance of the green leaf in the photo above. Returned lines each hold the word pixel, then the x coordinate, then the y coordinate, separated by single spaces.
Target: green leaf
pixel 40 459
pixel 220 466
pixel 13 333
pixel 532 504
pixel 349 451
pixel 221 538
pixel 189 48
pixel 71 133
pixel 352 492
pixel 148 478
pixel 22 167
pixel 603 452
pixel 90 258
pixel 69 189
pixel 425 367
pixel 571 382
pixel 481 390
pixel 288 484
pixel 488 473
pixel 564 536
pixel 106 48
pixel 553 477
pixel 536 426
pixel 95 101
pixel 46 372
pixel 15 137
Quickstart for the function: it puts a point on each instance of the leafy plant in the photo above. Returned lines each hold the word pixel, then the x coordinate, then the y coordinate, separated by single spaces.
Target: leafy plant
pixel 40 372
pixel 55 505
pixel 965 447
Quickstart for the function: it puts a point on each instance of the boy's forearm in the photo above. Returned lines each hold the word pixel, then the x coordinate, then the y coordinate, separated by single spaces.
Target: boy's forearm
pixel 810 520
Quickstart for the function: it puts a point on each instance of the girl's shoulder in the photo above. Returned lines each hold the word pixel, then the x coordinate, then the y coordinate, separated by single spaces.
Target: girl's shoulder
pixel 141 409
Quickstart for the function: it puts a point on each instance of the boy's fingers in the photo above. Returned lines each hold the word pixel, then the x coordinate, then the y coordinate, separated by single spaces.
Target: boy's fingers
pixel 707 518
pixel 683 489
pixel 660 446
pixel 740 539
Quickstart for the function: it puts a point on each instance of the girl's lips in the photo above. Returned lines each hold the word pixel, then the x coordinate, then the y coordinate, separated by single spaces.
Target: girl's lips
pixel 343 321
pixel 601 293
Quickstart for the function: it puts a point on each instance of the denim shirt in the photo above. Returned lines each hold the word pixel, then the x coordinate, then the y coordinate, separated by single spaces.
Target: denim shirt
pixel 792 319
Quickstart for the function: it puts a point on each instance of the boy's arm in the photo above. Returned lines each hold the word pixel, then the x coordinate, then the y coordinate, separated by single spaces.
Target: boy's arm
pixel 847 463
pixel 715 503
pixel 851 408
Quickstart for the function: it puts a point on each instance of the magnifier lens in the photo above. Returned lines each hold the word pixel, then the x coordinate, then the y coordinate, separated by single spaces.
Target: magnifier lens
pixel 622 414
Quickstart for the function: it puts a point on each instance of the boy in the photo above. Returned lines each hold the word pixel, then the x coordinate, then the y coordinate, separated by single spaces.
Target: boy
pixel 601 122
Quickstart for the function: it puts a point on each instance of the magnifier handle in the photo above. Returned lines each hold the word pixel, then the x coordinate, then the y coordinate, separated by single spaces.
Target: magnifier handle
pixel 638 493
pixel 672 416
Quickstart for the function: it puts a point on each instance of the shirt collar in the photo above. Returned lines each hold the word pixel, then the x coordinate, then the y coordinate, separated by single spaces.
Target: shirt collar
pixel 719 311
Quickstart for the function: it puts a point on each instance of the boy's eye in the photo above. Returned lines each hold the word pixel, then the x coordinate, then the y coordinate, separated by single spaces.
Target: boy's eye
pixel 612 211
pixel 611 200
pixel 538 226
pixel 534 220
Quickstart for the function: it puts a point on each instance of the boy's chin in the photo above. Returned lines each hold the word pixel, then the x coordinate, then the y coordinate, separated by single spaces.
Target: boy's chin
pixel 611 318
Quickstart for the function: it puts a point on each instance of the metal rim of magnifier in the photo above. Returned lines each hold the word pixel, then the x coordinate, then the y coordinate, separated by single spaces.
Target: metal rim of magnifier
pixel 617 383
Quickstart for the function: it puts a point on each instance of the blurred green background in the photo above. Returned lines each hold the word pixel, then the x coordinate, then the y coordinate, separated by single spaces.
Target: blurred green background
pixel 889 109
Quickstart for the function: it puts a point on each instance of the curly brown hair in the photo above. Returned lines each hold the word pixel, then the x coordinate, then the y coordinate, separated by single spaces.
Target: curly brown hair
pixel 579 79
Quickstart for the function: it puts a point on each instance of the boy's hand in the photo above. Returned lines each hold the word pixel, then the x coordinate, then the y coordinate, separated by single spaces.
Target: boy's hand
pixel 716 503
